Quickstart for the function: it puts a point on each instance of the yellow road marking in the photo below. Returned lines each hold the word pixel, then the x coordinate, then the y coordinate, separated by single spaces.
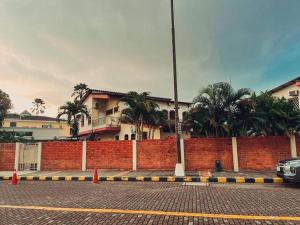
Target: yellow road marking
pixel 55 178
pixel 277 180
pixel 222 179
pixel 259 180
pixel 140 178
pixel 170 179
pixel 204 179
pixel 155 178
pixel 68 178
pixel 111 178
pixel 187 179
pixel 124 178
pixel 81 178
pixel 42 178
pixel 29 178
pixel 162 213
pixel 240 180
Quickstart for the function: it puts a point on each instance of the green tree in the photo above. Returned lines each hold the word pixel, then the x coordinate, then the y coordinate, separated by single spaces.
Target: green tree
pixel 5 105
pixel 155 118
pixel 38 106
pixel 216 110
pixel 73 111
pixel 279 116
pixel 137 110
pixel 79 91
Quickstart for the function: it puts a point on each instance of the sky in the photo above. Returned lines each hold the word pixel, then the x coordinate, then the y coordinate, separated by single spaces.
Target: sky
pixel 46 47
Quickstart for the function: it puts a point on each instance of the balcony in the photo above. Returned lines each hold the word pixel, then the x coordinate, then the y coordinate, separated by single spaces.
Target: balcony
pixel 107 123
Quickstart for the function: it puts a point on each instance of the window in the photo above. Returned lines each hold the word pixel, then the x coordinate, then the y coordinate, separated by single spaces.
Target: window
pixel 13 124
pixel 184 115
pixel 165 114
pixel 28 134
pixel 132 136
pixel 117 137
pixel 116 109
pixel 89 120
pixel 145 135
pixel 82 120
pixel 126 137
pixel 109 112
pixel 47 126
pixel 172 115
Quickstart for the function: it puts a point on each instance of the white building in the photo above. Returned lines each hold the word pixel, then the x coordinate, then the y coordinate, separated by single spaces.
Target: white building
pixel 105 122
pixel 289 90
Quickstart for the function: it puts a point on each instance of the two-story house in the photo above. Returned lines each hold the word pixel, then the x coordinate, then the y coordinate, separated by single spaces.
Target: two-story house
pixel 289 90
pixel 105 122
pixel 35 127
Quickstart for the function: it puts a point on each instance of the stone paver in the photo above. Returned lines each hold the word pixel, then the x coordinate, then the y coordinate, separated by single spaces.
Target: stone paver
pixel 241 199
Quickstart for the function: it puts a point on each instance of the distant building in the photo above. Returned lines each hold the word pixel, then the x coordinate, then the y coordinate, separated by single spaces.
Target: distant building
pixel 36 127
pixel 289 90
pixel 105 122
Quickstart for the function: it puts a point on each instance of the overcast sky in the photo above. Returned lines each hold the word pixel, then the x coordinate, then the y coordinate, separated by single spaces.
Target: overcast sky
pixel 46 47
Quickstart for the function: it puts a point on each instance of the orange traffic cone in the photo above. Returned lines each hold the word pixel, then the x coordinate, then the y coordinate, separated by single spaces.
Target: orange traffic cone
pixel 14 180
pixel 95 176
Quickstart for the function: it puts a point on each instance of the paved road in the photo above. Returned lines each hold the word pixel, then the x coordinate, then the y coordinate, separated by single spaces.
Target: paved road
pixel 34 202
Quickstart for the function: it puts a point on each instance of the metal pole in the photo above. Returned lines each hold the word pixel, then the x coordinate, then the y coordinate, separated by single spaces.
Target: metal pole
pixel 175 87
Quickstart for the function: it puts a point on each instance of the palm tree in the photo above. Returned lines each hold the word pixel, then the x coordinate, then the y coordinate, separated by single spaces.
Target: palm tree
pixel 155 118
pixel 138 107
pixel 38 106
pixel 79 91
pixel 216 107
pixel 73 111
pixel 280 115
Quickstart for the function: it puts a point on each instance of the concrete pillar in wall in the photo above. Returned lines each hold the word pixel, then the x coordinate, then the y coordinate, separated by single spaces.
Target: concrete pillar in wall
pixel 235 155
pixel 17 151
pixel 134 155
pixel 182 153
pixel 84 148
pixel 39 156
pixel 293 146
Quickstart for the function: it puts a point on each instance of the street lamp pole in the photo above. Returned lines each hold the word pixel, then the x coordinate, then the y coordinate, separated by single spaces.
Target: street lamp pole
pixel 179 171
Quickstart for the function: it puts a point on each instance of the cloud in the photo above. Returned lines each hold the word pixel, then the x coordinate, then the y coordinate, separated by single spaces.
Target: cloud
pixel 46 47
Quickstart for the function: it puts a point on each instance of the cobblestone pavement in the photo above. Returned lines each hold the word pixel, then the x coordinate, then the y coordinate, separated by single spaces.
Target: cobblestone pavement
pixel 220 199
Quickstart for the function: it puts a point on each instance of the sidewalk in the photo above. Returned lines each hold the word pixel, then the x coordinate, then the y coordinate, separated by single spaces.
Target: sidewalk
pixel 117 173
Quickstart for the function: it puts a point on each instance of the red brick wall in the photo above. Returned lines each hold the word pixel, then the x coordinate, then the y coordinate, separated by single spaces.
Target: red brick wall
pixel 255 153
pixel 156 154
pixel 298 146
pixel 7 156
pixel 109 155
pixel 262 153
pixel 201 153
pixel 61 155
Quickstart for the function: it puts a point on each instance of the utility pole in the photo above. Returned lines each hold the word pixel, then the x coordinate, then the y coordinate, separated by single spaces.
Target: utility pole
pixel 179 170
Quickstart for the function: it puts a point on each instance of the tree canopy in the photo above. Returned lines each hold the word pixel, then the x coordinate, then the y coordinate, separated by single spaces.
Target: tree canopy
pixel 5 105
pixel 38 106
pixel 220 111
pixel 73 111
pixel 79 91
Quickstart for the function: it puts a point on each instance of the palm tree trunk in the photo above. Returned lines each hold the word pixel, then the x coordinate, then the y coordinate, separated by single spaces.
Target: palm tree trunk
pixel 142 127
pixel 153 133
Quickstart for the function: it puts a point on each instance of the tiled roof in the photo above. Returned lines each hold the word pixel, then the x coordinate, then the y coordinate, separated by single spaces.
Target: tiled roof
pixel 28 117
pixel 120 94
pixel 284 85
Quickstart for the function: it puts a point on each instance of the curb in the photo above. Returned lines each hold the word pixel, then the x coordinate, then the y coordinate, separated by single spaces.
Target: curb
pixel 260 180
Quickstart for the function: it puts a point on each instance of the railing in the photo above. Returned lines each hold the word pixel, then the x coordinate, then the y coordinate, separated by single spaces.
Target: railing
pixel 108 121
